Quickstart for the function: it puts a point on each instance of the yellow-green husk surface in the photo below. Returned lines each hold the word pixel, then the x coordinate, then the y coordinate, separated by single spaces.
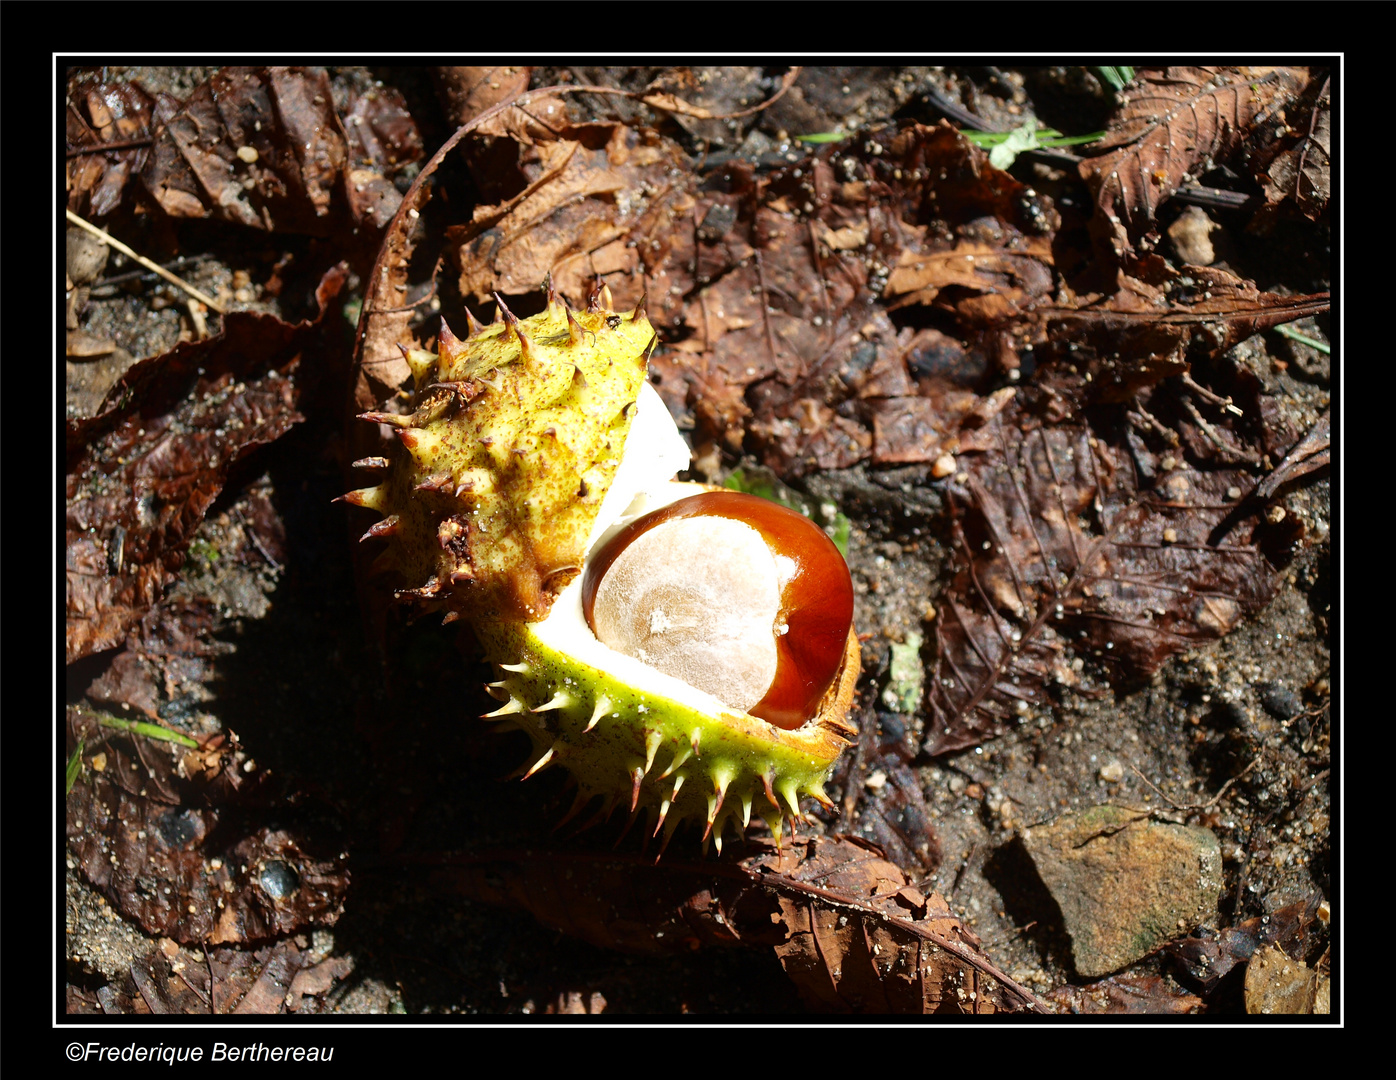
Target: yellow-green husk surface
pixel 515 435
pixel 649 741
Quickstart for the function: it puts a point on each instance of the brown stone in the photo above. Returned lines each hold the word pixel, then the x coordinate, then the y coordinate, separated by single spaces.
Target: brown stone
pixel 1125 884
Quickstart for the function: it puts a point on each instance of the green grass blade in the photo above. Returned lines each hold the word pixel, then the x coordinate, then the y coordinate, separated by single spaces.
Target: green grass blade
pixel 1073 140
pixel 1304 339
pixel 150 731
pixel 1116 77
pixel 74 768
pixel 985 140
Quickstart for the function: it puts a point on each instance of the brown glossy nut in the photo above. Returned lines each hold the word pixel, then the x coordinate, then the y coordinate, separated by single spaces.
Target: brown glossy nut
pixel 682 589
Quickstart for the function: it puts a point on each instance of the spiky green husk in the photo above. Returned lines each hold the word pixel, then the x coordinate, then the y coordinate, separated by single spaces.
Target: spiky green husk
pixel 514 438
pixel 646 750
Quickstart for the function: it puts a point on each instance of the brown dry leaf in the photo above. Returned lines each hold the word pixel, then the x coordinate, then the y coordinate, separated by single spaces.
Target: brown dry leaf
pixel 1150 995
pixel 718 85
pixel 774 282
pixel 1124 554
pixel 1015 277
pixel 143 471
pixel 584 190
pixel 1205 960
pixel 848 926
pixel 102 113
pixel 862 939
pixel 466 92
pixel 1294 169
pixel 883 798
pixel 660 99
pixel 1174 124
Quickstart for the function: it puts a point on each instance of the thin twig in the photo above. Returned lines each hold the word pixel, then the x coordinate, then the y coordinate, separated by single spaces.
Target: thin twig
pixel 652 97
pixel 1197 806
pixel 251 534
pixel 1309 136
pixel 139 275
pixel 1216 399
pixel 111 241
pixel 197 992
pixel 120 144
pixel 197 318
pixel 1212 434
pixel 1168 434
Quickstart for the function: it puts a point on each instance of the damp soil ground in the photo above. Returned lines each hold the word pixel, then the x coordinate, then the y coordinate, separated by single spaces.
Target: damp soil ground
pixel 1234 735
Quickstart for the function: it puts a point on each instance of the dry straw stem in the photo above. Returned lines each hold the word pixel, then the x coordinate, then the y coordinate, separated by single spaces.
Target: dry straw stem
pixel 111 241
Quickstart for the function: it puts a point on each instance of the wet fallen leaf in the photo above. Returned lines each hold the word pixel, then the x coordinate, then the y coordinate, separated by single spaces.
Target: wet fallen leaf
pixel 264 147
pixel 143 471
pixel 167 662
pixel 582 192
pixel 1067 539
pixel 849 928
pixel 117 121
pixel 1308 455
pixel 790 352
pixel 167 835
pixel 1146 333
pixel 171 980
pixel 1294 168
pixel 1173 124
pixel 382 141
pixel 1206 959
pixel 466 92
pixel 315 981
pixel 1126 994
pixel 882 799
pixel 268 993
